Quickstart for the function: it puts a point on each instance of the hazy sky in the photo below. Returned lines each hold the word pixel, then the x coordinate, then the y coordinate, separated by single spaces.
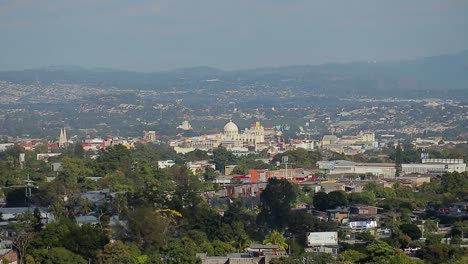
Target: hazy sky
pixel 157 35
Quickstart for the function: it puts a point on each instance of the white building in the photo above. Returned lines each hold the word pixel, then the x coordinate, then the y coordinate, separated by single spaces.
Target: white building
pixel 252 135
pixel 185 125
pixel 63 141
pixel 230 139
pixel 46 156
pixel 362 224
pixel 162 164
pixel 388 170
pixel 350 167
pixel 435 166
pixel 199 166
pixel 305 144
pixel 5 146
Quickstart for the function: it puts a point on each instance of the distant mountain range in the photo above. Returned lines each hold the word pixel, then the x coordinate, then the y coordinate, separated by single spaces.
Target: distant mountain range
pixel 438 73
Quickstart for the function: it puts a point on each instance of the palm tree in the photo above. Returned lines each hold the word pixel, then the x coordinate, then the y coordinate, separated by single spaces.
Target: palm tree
pixel 275 238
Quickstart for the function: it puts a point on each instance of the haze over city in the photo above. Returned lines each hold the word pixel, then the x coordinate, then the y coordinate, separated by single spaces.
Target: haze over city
pixel 233 131
pixel 160 35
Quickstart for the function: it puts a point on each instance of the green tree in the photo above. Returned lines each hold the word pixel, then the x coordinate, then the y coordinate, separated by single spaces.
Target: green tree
pixel 275 238
pixel 85 241
pixel 53 234
pixel 239 170
pixel 147 228
pixel 113 251
pixel 155 258
pixel 301 157
pixel 223 157
pixel 275 203
pixel 196 155
pixel 78 150
pixel 320 201
pixel 86 206
pixel 57 256
pixel 432 239
pixel 399 239
pixel 352 256
pixel 222 248
pixel 379 250
pixel 209 174
pixel 337 198
pixel 186 196
pixel 439 253
pixel 411 230
pixel 455 183
pixel 365 236
pixel 367 198
pixel 181 251
pixel 74 169
pixel 460 229
pixel 112 159
pixel 25 234
pixel 401 258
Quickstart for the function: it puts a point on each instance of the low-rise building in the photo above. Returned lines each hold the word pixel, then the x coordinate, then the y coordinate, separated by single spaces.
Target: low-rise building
pixel 350 167
pixel 435 166
pixel 326 242
pixel 338 214
pixel 361 224
pixel 162 164
pixel 360 209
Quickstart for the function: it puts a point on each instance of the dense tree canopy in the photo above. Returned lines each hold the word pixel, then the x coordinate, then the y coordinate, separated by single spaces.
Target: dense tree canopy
pixel 155 215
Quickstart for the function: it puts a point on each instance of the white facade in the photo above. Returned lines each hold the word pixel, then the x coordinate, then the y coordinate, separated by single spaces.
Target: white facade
pixel 63 141
pixel 46 156
pixel 432 168
pixel 444 161
pixel 361 224
pixel 10 213
pixel 162 164
pixel 185 125
pixel 306 144
pixel 345 166
pixel 251 135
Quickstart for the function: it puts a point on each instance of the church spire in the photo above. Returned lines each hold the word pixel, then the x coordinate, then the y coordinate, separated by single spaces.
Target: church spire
pixel 63 138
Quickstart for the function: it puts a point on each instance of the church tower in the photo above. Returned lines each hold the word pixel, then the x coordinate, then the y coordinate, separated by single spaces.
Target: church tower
pixel 63 138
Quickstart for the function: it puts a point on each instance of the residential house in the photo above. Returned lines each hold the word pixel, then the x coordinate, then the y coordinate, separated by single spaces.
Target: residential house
pixel 339 214
pixel 360 209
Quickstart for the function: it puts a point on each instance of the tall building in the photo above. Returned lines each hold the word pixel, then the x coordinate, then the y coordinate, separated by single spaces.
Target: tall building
pixel 63 141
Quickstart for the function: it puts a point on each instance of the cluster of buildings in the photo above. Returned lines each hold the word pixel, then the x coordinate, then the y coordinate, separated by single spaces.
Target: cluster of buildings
pixel 88 144
pixel 350 145
pixel 252 138
pixel 258 137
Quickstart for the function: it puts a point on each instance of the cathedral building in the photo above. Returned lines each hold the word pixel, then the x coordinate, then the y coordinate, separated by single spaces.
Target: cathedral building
pixel 250 136
pixel 63 141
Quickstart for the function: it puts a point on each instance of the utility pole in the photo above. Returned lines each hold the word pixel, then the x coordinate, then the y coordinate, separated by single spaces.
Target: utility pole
pixel 28 195
pixel 286 163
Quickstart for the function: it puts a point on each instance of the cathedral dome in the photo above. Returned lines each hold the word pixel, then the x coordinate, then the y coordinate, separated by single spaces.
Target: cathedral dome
pixel 231 129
